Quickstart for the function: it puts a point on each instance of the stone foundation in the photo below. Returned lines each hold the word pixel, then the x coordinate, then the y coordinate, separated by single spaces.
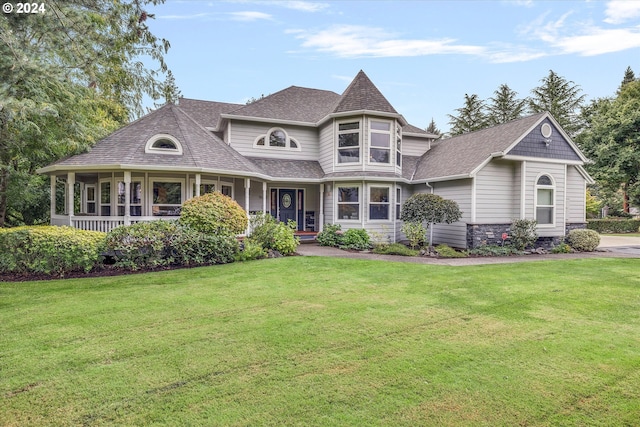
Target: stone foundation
pixel 491 234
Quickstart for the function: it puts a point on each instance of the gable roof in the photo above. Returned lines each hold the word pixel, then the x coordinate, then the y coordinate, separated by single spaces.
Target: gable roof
pixel 206 113
pixel 461 155
pixel 363 95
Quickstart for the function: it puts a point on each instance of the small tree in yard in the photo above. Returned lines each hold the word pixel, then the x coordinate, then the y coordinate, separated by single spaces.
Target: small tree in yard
pixel 430 208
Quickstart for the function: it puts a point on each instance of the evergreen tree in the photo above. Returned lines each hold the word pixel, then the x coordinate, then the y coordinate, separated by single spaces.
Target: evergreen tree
pixel 471 117
pixel 629 77
pixel 505 106
pixel 68 76
pixel 560 97
pixel 432 128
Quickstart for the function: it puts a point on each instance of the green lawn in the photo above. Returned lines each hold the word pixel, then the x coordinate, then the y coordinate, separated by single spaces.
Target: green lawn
pixel 321 341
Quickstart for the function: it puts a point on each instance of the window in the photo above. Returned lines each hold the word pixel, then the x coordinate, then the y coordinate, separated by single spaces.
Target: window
pixel 163 144
pixel 379 142
pixel 398 145
pixel 348 203
pixel 398 202
pixel 379 203
pixel 166 198
pixel 545 200
pixel 90 196
pixel 349 142
pixel 105 198
pixel 135 198
pixel 278 139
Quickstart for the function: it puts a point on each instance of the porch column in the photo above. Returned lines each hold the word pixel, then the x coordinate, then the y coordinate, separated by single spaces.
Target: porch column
pixel 53 197
pixel 247 186
pixel 264 197
pixel 71 185
pixel 127 197
pixel 198 180
pixel 321 213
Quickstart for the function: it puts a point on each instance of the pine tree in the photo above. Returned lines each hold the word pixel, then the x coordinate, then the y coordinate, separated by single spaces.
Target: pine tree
pixel 560 97
pixel 432 128
pixel 629 77
pixel 505 106
pixel 471 117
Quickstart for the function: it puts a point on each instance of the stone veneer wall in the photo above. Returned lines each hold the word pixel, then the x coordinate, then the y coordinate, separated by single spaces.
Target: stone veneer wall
pixel 491 234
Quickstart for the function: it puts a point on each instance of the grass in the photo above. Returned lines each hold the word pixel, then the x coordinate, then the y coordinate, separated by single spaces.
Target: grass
pixel 305 341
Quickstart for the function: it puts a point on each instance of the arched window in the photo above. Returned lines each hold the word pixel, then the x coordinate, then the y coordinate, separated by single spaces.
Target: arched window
pixel 163 144
pixel 545 200
pixel 278 139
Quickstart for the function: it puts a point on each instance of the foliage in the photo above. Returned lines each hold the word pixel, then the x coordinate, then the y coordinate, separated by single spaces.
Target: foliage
pixel 394 249
pixel 163 243
pixel 430 208
pixel 523 233
pixel 48 249
pixel 560 97
pixel 448 252
pixel 593 205
pixel 495 250
pixel 614 225
pixel 471 117
pixel 562 248
pixel 612 142
pixel 331 235
pixel 251 251
pixel 505 106
pixel 355 239
pixel 584 240
pixel 68 77
pixel 273 234
pixel 415 232
pixel 433 128
pixel 214 213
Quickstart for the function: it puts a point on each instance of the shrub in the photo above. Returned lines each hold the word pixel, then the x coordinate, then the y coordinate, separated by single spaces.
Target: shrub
pixel 331 235
pixel 49 249
pixel 523 233
pixel 356 239
pixel 273 234
pixel 415 233
pixel 562 248
pixel 214 213
pixel 395 249
pixel 495 250
pixel 583 240
pixel 430 208
pixel 163 243
pixel 448 252
pixel 251 251
pixel 614 225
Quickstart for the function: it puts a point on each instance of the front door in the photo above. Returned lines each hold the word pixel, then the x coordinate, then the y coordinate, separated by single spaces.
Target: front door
pixel 287 205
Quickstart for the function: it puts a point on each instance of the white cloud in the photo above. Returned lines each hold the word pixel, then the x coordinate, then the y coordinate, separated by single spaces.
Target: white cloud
pixel 349 41
pixel 619 11
pixel 250 16
pixel 300 5
pixel 598 41
pixel 184 17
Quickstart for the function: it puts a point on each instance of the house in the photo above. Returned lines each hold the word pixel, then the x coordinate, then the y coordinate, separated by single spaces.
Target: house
pixel 318 158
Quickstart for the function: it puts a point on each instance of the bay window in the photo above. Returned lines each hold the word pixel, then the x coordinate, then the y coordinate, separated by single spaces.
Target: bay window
pixel 379 203
pixel 379 141
pixel 348 203
pixel 349 142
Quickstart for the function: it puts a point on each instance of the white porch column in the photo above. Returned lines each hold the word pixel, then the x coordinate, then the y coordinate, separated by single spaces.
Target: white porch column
pixel 198 180
pixel 71 185
pixel 53 197
pixel 127 197
pixel 321 213
pixel 264 197
pixel 247 186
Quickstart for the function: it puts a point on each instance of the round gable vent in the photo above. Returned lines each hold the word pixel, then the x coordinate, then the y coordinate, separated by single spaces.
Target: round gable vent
pixel 546 130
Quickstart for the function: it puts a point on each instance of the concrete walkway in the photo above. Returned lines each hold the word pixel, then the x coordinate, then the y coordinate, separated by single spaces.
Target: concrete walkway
pixel 609 248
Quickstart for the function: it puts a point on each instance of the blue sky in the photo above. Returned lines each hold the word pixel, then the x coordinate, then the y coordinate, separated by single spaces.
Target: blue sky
pixel 423 55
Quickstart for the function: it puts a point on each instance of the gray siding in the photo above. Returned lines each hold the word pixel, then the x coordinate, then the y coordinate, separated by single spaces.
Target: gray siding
pixel 497 187
pixel 412 146
pixel 326 146
pixel 244 134
pixel 557 172
pixel 535 145
pixel 576 196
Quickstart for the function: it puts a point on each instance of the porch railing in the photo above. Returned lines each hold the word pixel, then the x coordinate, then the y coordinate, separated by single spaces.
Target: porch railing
pixel 103 223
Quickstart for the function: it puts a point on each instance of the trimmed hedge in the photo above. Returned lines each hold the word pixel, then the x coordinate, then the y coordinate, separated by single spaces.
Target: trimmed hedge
pixel 164 243
pixel 583 240
pixel 49 249
pixel 614 226
pixel 214 213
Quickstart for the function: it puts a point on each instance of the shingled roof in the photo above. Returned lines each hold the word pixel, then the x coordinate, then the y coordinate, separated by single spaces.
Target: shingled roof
pixel 361 95
pixel 206 113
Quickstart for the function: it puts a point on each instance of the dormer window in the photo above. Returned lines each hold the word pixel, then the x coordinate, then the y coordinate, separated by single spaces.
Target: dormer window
pixel 277 138
pixel 163 144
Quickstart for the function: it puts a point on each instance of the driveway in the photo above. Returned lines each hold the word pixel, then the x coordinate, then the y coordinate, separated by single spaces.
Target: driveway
pixel 628 245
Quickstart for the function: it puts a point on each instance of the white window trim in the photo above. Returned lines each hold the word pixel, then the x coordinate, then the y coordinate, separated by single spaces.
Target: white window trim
pixel 111 197
pixel 388 203
pixel 131 204
pixel 338 203
pixel 150 149
pixel 266 145
pixel 398 204
pixel 392 141
pixel 337 142
pixel 551 187
pixel 160 179
pixel 398 137
pixel 86 200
